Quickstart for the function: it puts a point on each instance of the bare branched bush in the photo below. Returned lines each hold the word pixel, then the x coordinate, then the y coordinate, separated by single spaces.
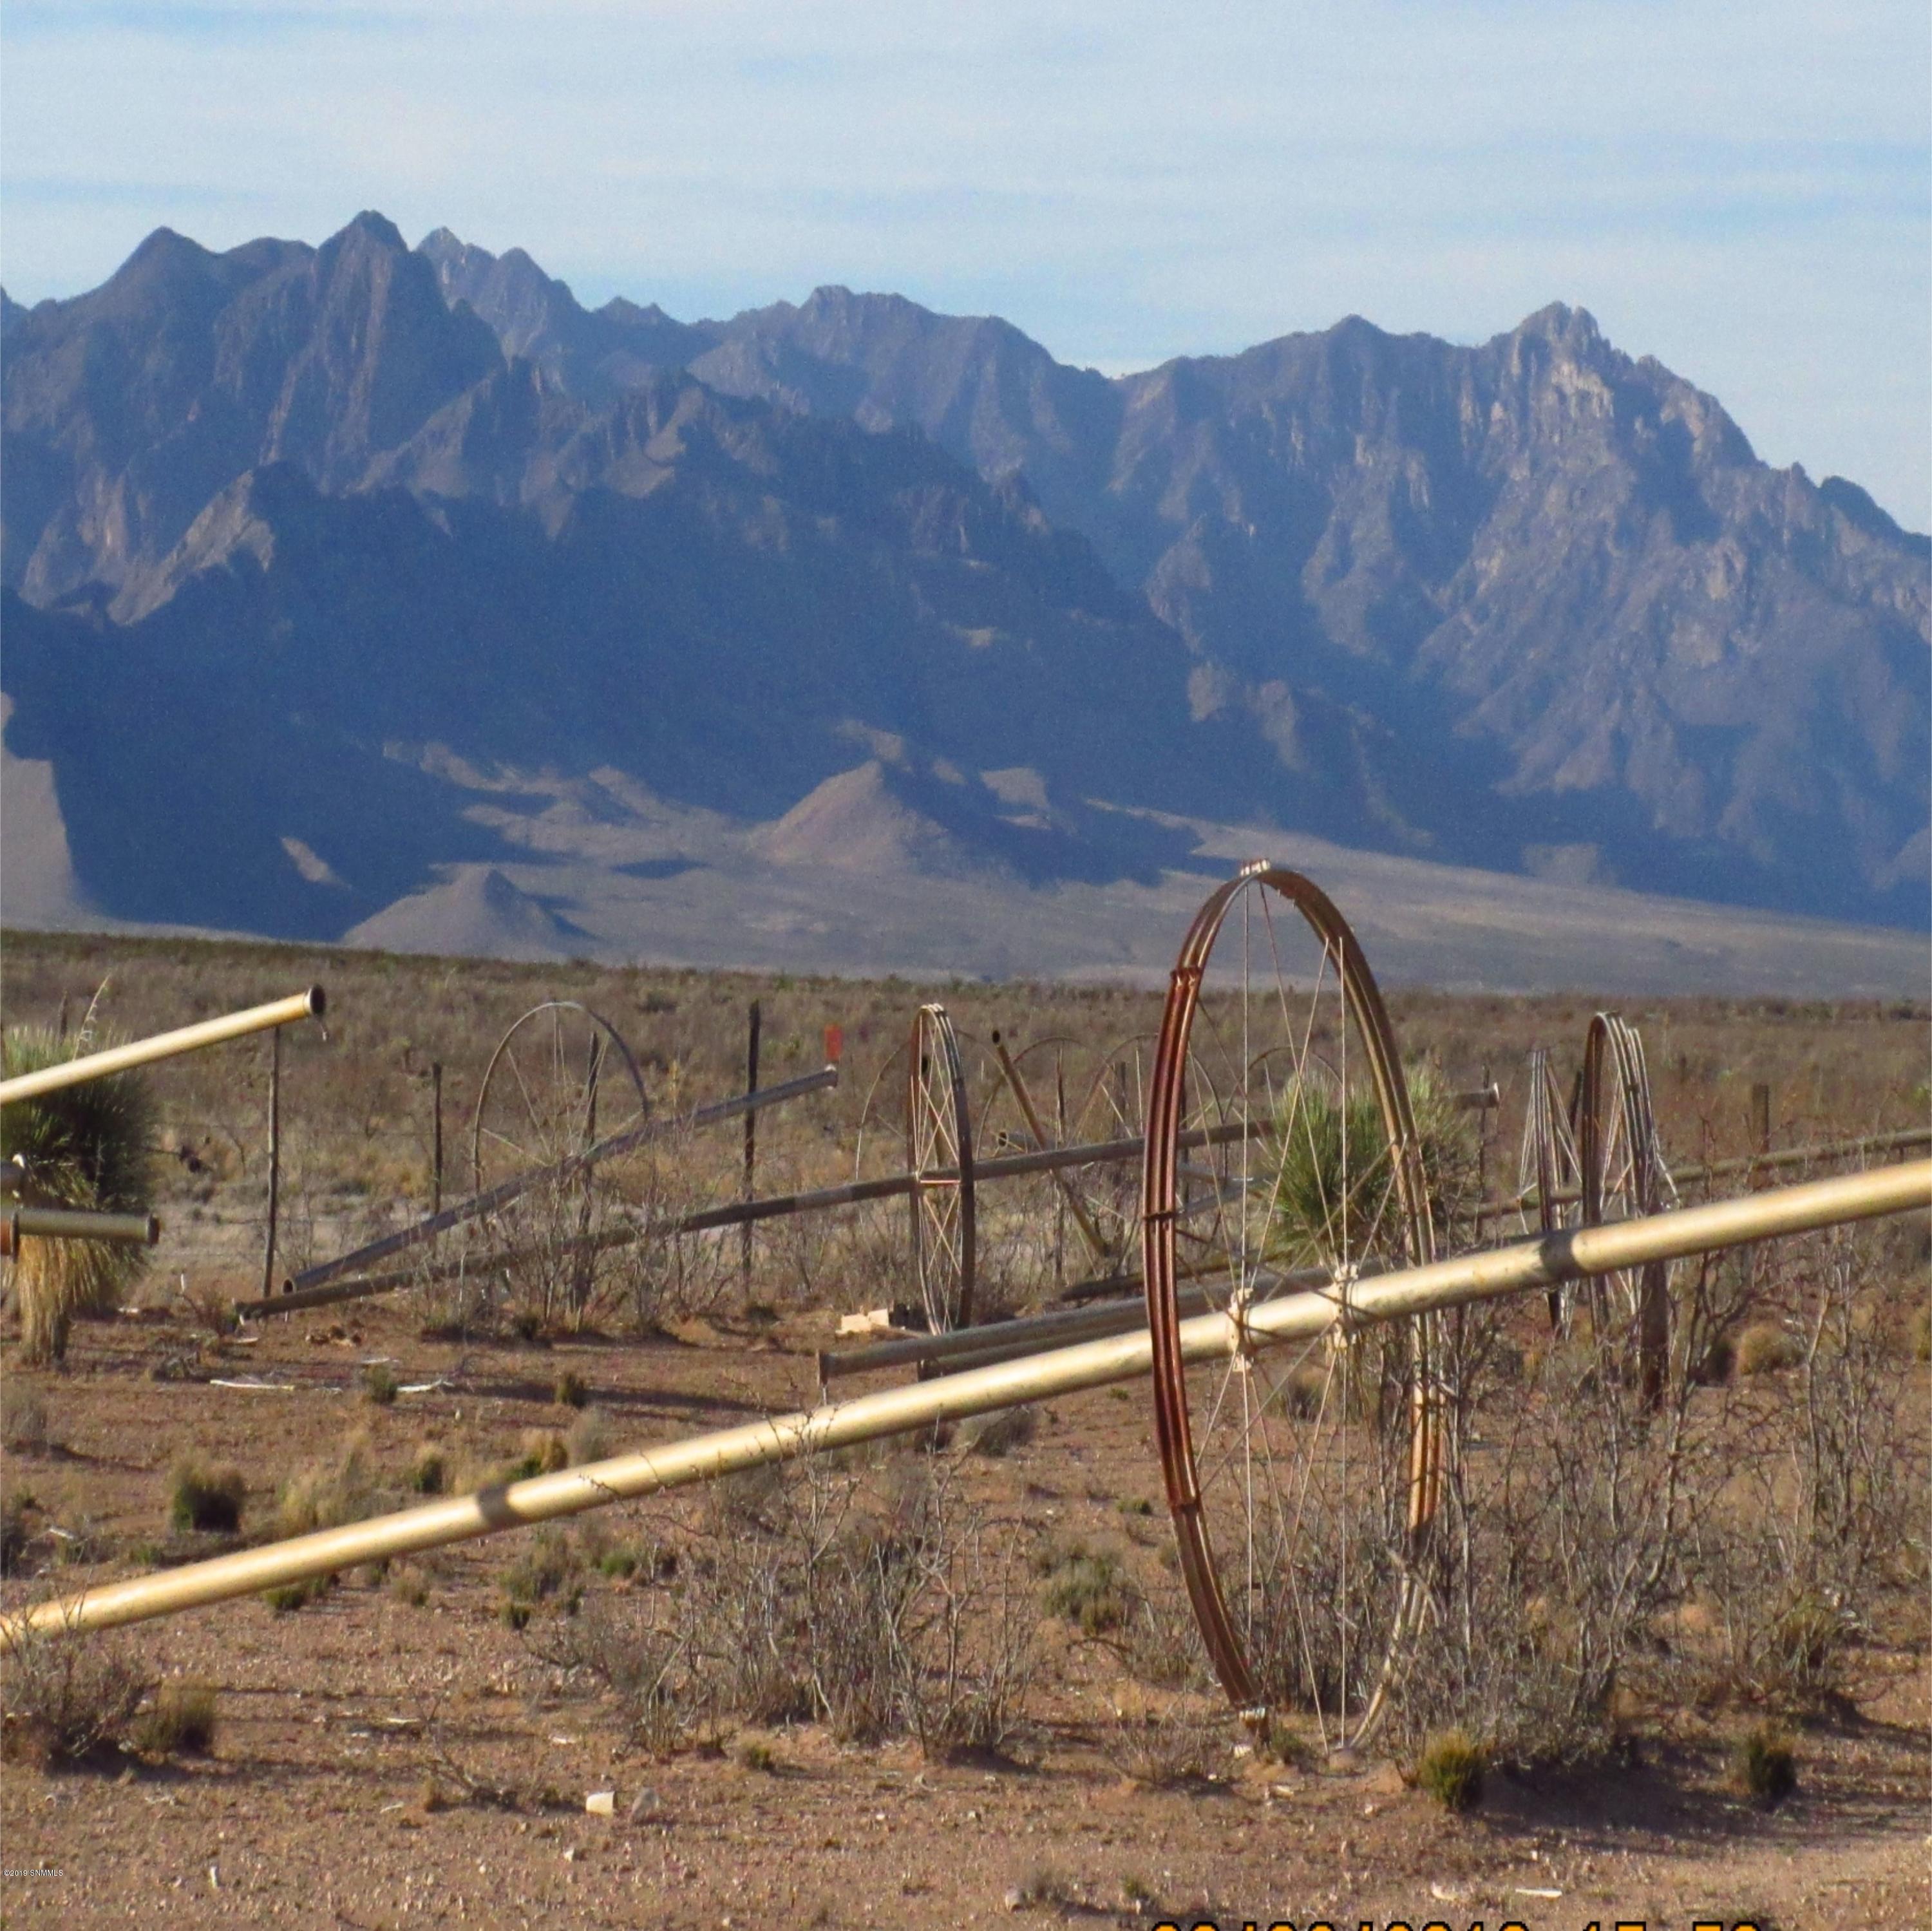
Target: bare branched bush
pixel 67 1696
pixel 1597 1550
pixel 879 1603
pixel 1165 1749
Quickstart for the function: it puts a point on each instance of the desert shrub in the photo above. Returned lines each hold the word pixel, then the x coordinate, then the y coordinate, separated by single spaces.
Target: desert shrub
pixel 1764 1766
pixel 541 1452
pixel 429 1472
pixel 545 1571
pixel 1764 1348
pixel 1160 1641
pixel 326 1494
pixel 409 1585
pixel 1164 1749
pixel 638 1652
pixel 755 1754
pixel 589 1438
pixel 1451 1769
pixel 23 1420
pixel 17 1532
pixel 1715 1363
pixel 285 1598
pixel 1088 1587
pixel 878 1602
pixel 181 1721
pixel 998 1434
pixel 85 1147
pixel 570 1391
pixel 67 1696
pixel 751 1501
pixel 1335 1178
pixel 379 1384
pixel 201 1497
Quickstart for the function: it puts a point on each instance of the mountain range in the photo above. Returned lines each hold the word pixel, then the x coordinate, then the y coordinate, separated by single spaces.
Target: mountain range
pixel 338 577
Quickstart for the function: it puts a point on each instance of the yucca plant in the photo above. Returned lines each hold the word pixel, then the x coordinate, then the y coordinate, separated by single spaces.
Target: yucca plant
pixel 85 1147
pixel 1336 1176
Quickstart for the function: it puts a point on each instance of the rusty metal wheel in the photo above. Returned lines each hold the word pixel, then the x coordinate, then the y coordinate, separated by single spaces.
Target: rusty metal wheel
pixel 1302 1478
pixel 561 1079
pixel 1031 1228
pixel 1624 1175
pixel 1547 1168
pixel 939 1154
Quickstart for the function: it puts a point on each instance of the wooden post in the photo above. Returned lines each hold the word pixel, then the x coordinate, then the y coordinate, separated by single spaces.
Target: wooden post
pixel 751 1148
pixel 275 1157
pixel 436 1137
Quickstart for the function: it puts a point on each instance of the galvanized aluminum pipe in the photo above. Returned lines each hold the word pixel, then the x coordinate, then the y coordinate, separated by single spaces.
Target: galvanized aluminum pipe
pixel 64 1223
pixel 310 1289
pixel 478 1204
pixel 309 1005
pixel 1569 1254
pixel 1727 1169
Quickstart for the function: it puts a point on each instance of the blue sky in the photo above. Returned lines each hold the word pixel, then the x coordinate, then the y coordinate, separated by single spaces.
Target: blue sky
pixel 1745 193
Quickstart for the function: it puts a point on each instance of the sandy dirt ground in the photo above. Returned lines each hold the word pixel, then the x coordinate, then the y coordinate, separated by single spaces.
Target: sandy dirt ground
pixel 334 1793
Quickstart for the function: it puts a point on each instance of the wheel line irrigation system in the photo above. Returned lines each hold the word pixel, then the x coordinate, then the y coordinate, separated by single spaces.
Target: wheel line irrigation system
pixel 1568 1255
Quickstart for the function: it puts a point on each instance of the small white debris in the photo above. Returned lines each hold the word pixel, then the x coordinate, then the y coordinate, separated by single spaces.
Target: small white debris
pixel 602 1803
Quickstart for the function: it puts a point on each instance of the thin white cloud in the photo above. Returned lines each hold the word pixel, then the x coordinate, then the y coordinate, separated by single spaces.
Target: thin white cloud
pixel 1744 195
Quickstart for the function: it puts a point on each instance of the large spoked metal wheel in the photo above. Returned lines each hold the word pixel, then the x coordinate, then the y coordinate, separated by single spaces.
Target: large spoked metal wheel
pixel 1623 1176
pixel 1547 1177
pixel 1034 1227
pixel 1303 1477
pixel 939 1155
pixel 560 1080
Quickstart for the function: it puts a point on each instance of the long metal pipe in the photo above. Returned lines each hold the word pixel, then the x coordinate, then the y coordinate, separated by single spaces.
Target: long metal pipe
pixel 64 1223
pixel 309 1005
pixel 1569 1254
pixel 310 1289
pixel 478 1204
pixel 1740 1163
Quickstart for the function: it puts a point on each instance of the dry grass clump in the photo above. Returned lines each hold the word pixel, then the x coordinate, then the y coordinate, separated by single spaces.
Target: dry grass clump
pixel 590 1438
pixel 85 1147
pixel 545 1571
pixel 326 1494
pixel 1764 1766
pixel 1919 1334
pixel 997 1434
pixel 67 1696
pixel 285 1598
pixel 205 1499
pixel 541 1452
pixel 1764 1348
pixel 180 1722
pixel 379 1385
pixel 570 1391
pixel 1087 1586
pixel 23 1420
pixel 1165 1749
pixel 429 1470
pixel 1451 1769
